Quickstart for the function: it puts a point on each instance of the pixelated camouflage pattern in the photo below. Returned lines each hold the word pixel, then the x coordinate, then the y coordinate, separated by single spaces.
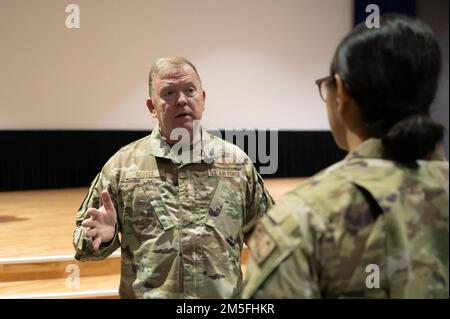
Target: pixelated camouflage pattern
pixel 318 240
pixel 182 219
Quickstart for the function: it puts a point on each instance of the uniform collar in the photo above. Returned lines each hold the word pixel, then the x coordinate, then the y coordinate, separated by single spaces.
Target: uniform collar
pixel 200 151
pixel 373 148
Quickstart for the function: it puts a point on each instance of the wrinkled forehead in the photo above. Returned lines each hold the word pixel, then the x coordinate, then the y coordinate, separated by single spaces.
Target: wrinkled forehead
pixel 177 74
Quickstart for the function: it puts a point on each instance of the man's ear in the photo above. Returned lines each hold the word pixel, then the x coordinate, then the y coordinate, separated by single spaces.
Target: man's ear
pixel 342 96
pixel 151 107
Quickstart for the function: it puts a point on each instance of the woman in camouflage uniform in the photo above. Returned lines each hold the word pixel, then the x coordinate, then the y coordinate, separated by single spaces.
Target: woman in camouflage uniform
pixel 374 225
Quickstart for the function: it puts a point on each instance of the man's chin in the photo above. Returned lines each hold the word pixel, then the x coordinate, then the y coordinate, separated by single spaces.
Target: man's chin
pixel 187 122
pixel 185 126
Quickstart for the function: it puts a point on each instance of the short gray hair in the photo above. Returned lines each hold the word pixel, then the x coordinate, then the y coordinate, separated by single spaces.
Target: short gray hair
pixel 164 63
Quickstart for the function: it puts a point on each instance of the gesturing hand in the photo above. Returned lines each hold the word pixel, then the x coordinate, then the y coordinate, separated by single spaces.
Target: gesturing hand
pixel 102 222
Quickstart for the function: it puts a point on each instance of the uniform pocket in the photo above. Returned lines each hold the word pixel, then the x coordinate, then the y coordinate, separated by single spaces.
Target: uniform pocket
pixel 145 213
pixel 152 238
pixel 226 209
pixel 157 266
pixel 223 249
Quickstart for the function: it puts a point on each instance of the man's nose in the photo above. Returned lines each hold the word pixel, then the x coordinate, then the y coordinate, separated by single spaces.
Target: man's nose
pixel 182 100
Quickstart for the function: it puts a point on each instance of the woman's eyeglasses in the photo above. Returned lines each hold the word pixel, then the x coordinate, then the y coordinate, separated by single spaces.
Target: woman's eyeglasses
pixel 323 84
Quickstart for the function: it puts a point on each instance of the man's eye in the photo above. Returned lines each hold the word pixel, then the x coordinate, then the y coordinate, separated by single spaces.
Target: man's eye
pixel 169 93
pixel 190 90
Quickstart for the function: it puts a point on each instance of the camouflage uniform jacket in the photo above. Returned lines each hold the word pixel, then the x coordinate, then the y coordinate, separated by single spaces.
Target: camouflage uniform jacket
pixel 363 228
pixel 182 220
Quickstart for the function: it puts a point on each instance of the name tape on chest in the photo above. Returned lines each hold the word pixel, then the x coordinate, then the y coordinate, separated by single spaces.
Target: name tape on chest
pixel 142 174
pixel 221 169
pixel 223 172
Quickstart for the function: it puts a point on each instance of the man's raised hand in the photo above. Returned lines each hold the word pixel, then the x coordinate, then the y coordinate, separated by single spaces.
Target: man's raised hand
pixel 102 222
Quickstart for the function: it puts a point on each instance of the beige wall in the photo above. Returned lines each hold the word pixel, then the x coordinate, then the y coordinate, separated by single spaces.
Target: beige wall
pixel 258 60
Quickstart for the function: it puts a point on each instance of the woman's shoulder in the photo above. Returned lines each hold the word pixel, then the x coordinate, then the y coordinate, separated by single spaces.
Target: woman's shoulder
pixel 358 183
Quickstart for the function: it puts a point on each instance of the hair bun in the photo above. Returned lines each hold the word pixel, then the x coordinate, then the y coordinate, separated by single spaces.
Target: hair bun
pixel 412 138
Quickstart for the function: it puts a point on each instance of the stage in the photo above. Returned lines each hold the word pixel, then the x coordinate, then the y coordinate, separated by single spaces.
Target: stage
pixel 36 255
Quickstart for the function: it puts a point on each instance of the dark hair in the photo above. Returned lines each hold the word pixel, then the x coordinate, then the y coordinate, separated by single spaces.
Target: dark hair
pixel 392 73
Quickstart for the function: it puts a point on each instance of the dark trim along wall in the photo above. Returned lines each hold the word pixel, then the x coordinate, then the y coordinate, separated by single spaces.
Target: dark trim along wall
pixel 72 158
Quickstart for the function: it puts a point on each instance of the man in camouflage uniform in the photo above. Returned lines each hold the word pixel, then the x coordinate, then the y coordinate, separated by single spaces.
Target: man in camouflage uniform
pixel 182 216
pixel 337 234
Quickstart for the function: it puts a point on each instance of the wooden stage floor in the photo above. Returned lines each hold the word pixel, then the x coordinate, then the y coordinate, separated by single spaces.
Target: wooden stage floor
pixel 36 246
pixel 41 223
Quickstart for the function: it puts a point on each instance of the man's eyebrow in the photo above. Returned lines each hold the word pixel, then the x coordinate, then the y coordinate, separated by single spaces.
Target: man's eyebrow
pixel 192 83
pixel 165 87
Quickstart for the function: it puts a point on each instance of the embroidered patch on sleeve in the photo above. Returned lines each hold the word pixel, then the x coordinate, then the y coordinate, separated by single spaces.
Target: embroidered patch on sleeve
pixel 261 244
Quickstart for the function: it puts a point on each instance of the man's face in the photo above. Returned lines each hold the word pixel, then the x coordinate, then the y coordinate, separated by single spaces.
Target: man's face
pixel 177 99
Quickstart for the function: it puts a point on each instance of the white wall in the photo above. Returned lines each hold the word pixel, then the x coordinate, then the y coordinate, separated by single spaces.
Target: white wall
pixel 258 60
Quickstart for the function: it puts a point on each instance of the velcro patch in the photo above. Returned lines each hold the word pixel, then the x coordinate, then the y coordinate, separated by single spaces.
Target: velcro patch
pixel 142 174
pixel 227 165
pixel 261 244
pixel 223 172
